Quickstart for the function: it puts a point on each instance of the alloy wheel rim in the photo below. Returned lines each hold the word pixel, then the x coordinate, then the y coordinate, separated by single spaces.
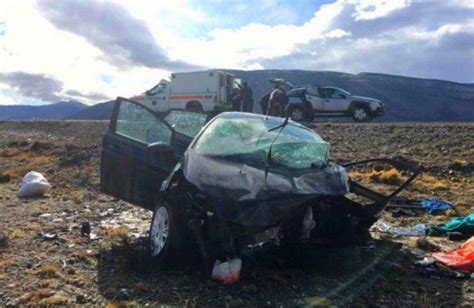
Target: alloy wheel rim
pixel 159 231
pixel 360 114
pixel 297 115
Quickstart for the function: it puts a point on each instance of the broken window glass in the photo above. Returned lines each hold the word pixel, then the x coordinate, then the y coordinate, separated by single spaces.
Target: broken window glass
pixel 139 124
pixel 186 122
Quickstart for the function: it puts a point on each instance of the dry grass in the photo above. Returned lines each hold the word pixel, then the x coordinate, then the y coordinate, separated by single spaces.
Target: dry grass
pixel 391 176
pixel 6 262
pixel 17 233
pixel 122 304
pixel 53 300
pixel 386 176
pixel 36 295
pixel 48 270
pixel 116 232
pixel 7 152
pixel 17 162
pixel 427 183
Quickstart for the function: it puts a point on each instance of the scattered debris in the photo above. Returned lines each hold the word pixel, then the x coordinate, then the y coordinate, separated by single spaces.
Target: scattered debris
pixel 4 178
pixel 399 212
pixel 85 229
pixel 460 259
pixel 123 294
pixel 33 184
pixel 409 207
pixel 426 261
pixel 383 226
pixel 3 239
pixel 227 272
pixel 464 225
pixel 434 207
pixel 456 236
pixel 94 237
pixel 50 236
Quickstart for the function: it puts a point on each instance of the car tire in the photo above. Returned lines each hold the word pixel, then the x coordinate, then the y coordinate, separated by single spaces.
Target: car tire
pixel 361 114
pixel 166 235
pixel 298 114
pixel 194 106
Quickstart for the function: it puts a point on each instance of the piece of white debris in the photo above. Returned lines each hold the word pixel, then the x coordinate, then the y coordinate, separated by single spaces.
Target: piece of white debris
pixel 383 226
pixel 33 184
pixel 227 272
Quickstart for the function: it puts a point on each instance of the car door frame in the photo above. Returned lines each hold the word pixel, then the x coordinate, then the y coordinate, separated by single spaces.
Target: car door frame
pixel 316 102
pixel 136 176
pixel 335 104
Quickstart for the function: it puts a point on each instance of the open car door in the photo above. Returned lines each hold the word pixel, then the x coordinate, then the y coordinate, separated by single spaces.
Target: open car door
pixel 141 148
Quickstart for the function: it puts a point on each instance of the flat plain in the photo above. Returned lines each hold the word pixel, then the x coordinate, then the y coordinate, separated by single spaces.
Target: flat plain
pixel 44 260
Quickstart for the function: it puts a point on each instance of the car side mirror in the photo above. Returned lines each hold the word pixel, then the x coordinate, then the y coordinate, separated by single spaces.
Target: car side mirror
pixel 159 148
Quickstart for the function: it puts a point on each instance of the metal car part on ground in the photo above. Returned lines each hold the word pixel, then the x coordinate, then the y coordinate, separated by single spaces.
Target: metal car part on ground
pixel 241 183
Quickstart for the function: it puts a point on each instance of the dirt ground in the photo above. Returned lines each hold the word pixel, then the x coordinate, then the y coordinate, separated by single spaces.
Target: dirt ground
pixel 44 260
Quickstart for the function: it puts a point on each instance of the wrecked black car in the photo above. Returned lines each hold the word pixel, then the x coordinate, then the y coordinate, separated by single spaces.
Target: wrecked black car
pixel 233 184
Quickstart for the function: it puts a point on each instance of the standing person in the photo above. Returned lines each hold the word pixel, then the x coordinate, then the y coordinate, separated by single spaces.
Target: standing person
pixel 277 101
pixel 264 101
pixel 236 99
pixel 247 98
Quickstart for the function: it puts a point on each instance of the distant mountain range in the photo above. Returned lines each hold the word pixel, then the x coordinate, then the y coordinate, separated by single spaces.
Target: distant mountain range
pixel 405 98
pixel 55 111
pixel 100 111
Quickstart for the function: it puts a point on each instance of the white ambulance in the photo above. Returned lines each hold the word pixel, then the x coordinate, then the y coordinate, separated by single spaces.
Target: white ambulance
pixel 206 91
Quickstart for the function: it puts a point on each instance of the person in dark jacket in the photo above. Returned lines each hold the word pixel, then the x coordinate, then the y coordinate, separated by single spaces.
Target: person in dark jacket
pixel 236 99
pixel 264 102
pixel 247 98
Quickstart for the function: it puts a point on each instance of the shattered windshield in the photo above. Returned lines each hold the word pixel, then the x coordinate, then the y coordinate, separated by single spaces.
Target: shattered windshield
pixel 248 141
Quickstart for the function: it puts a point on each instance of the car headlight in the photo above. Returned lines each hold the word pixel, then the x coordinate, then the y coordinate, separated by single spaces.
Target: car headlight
pixel 375 105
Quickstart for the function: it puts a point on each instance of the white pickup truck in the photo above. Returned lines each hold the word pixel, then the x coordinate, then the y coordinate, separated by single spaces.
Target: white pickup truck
pixel 205 91
pixel 309 101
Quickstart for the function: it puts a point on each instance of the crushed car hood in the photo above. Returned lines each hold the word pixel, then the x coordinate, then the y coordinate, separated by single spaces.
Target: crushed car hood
pixel 252 197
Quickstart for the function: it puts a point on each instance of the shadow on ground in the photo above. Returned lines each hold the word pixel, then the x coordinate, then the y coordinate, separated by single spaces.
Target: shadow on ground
pixel 288 277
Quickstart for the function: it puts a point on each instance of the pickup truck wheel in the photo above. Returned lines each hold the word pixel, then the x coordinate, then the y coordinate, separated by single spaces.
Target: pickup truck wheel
pixel 361 114
pixel 297 114
pixel 165 234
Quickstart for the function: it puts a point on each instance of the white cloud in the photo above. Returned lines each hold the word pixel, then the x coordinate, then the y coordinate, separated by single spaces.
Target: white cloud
pixel 33 45
pixel 337 33
pixel 6 99
pixel 389 36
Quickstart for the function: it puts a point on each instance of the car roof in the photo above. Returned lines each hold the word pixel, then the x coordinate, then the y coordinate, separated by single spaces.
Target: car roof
pixel 246 115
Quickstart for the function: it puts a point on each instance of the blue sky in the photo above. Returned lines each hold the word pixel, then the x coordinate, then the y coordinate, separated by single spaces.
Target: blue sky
pixel 235 14
pixel 92 51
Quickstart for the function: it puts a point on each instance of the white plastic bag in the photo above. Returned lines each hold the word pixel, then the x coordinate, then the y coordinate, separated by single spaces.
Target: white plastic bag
pixel 383 226
pixel 227 272
pixel 33 184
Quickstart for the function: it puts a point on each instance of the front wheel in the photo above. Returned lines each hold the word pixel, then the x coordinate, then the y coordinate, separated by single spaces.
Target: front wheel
pixel 166 234
pixel 297 114
pixel 361 114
